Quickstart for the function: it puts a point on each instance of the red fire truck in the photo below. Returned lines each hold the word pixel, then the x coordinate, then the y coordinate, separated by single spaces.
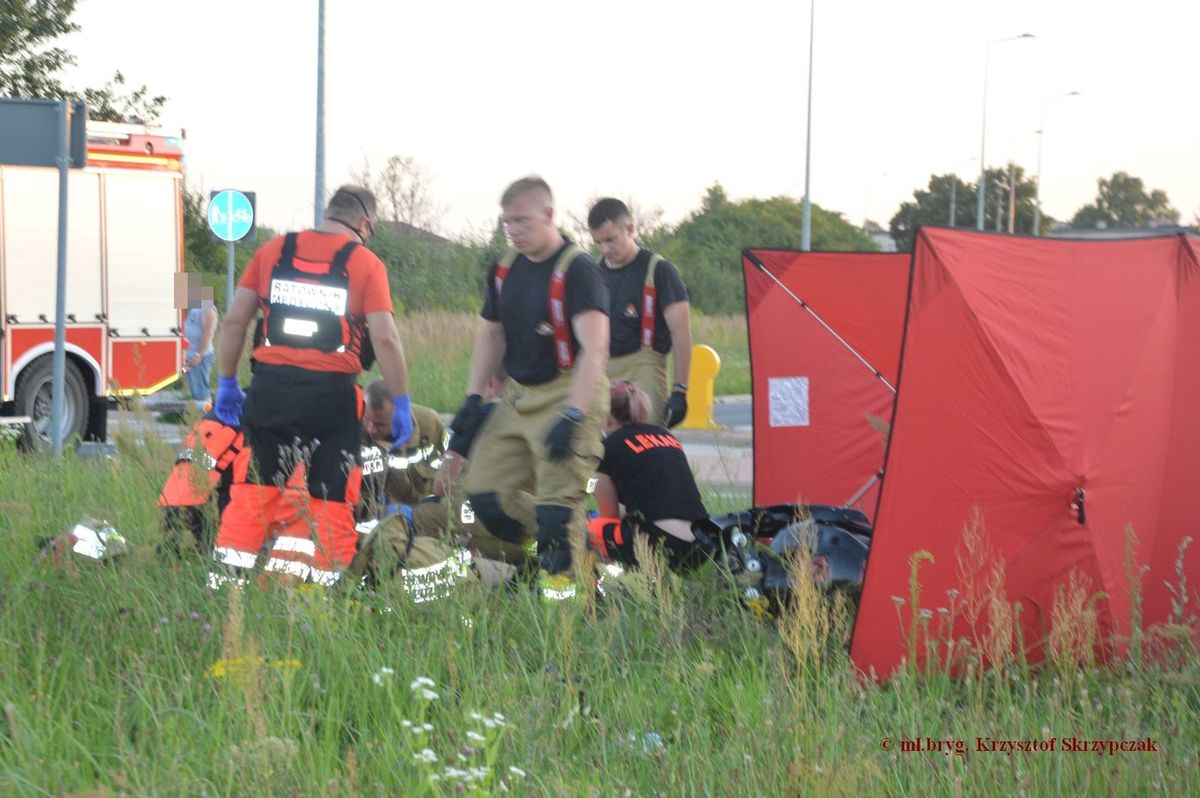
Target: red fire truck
pixel 124 247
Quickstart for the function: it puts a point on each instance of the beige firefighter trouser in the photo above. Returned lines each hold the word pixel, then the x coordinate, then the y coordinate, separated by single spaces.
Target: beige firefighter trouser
pixel 646 369
pixel 450 520
pixel 389 547
pixel 509 457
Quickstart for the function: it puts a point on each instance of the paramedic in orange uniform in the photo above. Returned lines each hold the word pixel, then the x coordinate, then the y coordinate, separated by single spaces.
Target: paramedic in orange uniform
pixel 321 292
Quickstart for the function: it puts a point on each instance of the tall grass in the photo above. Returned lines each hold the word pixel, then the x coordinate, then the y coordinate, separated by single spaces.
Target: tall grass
pixel 438 346
pixel 133 679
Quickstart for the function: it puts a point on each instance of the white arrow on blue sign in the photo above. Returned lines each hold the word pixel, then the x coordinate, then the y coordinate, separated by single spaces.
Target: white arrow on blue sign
pixel 230 215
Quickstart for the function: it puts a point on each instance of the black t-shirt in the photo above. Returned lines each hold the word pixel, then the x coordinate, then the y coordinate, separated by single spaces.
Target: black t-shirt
pixel 625 291
pixel 523 309
pixel 651 473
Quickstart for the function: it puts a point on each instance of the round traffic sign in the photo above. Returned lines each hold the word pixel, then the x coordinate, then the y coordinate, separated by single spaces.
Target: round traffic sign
pixel 230 215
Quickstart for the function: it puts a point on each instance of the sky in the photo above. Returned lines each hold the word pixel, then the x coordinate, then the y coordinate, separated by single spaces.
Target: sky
pixel 655 100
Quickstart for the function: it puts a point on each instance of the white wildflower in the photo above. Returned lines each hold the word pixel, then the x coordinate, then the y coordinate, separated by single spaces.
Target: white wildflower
pixel 426 755
pixel 516 771
pixel 406 723
pixel 421 681
pixel 476 716
pixel 476 736
pixel 427 727
pixel 428 694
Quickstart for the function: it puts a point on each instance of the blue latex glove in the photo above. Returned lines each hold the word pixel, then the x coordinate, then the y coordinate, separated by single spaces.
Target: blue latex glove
pixel 230 400
pixel 401 509
pixel 402 423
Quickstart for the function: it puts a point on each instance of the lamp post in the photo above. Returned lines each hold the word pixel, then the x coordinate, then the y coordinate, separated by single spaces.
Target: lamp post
pixel 319 187
pixel 1037 185
pixel 983 134
pixel 806 224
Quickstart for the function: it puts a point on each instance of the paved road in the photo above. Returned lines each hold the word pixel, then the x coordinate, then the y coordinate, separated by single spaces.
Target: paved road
pixel 722 459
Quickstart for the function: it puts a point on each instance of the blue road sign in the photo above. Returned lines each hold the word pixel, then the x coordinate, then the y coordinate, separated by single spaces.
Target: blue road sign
pixel 230 214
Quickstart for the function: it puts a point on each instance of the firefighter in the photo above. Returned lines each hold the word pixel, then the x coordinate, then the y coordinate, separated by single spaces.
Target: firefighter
pixel 322 294
pixel 646 487
pixel 401 523
pixel 202 471
pixel 451 515
pixel 649 314
pixel 545 326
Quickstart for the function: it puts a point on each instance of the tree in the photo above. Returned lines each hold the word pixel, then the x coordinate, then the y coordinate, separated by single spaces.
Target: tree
pixel 931 206
pixel 404 192
pixel 707 247
pixel 29 65
pixel 111 103
pixel 1122 201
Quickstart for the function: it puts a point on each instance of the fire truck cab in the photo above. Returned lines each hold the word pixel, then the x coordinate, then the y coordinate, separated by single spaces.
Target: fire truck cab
pixel 125 244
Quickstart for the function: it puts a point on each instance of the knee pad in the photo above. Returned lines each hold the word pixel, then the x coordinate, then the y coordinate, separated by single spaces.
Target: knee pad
pixel 488 510
pixel 553 540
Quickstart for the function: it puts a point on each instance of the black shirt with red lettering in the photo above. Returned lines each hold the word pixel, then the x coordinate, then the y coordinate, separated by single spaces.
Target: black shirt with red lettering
pixel 523 309
pixel 625 286
pixel 651 473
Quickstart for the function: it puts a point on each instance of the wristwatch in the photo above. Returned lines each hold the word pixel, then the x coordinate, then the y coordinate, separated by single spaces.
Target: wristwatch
pixel 572 413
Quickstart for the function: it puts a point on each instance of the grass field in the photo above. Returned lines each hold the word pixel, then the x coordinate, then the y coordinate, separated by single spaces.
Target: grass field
pixel 133 679
pixel 438 346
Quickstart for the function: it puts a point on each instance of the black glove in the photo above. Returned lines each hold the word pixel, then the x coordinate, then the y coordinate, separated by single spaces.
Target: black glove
pixel 460 443
pixel 468 418
pixel 676 408
pixel 558 441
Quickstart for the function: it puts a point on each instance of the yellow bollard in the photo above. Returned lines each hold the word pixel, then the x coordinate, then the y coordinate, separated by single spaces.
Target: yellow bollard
pixel 706 364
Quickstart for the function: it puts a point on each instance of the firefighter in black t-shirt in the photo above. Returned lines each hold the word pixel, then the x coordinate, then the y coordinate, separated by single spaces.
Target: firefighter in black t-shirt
pixel 649 313
pixel 645 470
pixel 545 326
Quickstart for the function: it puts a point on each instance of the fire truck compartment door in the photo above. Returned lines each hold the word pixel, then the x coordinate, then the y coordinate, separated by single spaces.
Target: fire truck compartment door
pixel 143 252
pixel 30 255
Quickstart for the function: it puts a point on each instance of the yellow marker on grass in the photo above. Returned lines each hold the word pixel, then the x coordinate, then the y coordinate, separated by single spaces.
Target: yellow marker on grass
pixel 706 364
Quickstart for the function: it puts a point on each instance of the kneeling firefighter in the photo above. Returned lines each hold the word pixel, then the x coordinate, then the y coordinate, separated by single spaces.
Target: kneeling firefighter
pixel 397 482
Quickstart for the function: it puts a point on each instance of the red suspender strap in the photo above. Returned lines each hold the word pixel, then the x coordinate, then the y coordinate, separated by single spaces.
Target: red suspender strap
pixel 558 308
pixel 648 302
pixel 506 262
pixel 558 300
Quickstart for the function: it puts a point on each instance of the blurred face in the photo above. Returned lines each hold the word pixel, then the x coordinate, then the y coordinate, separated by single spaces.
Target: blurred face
pixel 616 242
pixel 529 220
pixel 378 421
pixel 189 293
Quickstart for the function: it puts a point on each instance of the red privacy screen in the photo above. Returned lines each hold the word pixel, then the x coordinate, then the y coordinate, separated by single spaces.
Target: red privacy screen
pixel 1049 390
pixel 825 331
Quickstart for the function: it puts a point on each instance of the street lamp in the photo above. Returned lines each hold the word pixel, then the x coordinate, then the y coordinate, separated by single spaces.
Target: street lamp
pixel 806 224
pixel 1037 185
pixel 319 182
pixel 983 135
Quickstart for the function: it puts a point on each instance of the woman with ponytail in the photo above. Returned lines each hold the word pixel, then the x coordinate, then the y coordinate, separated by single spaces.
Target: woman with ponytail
pixel 645 486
